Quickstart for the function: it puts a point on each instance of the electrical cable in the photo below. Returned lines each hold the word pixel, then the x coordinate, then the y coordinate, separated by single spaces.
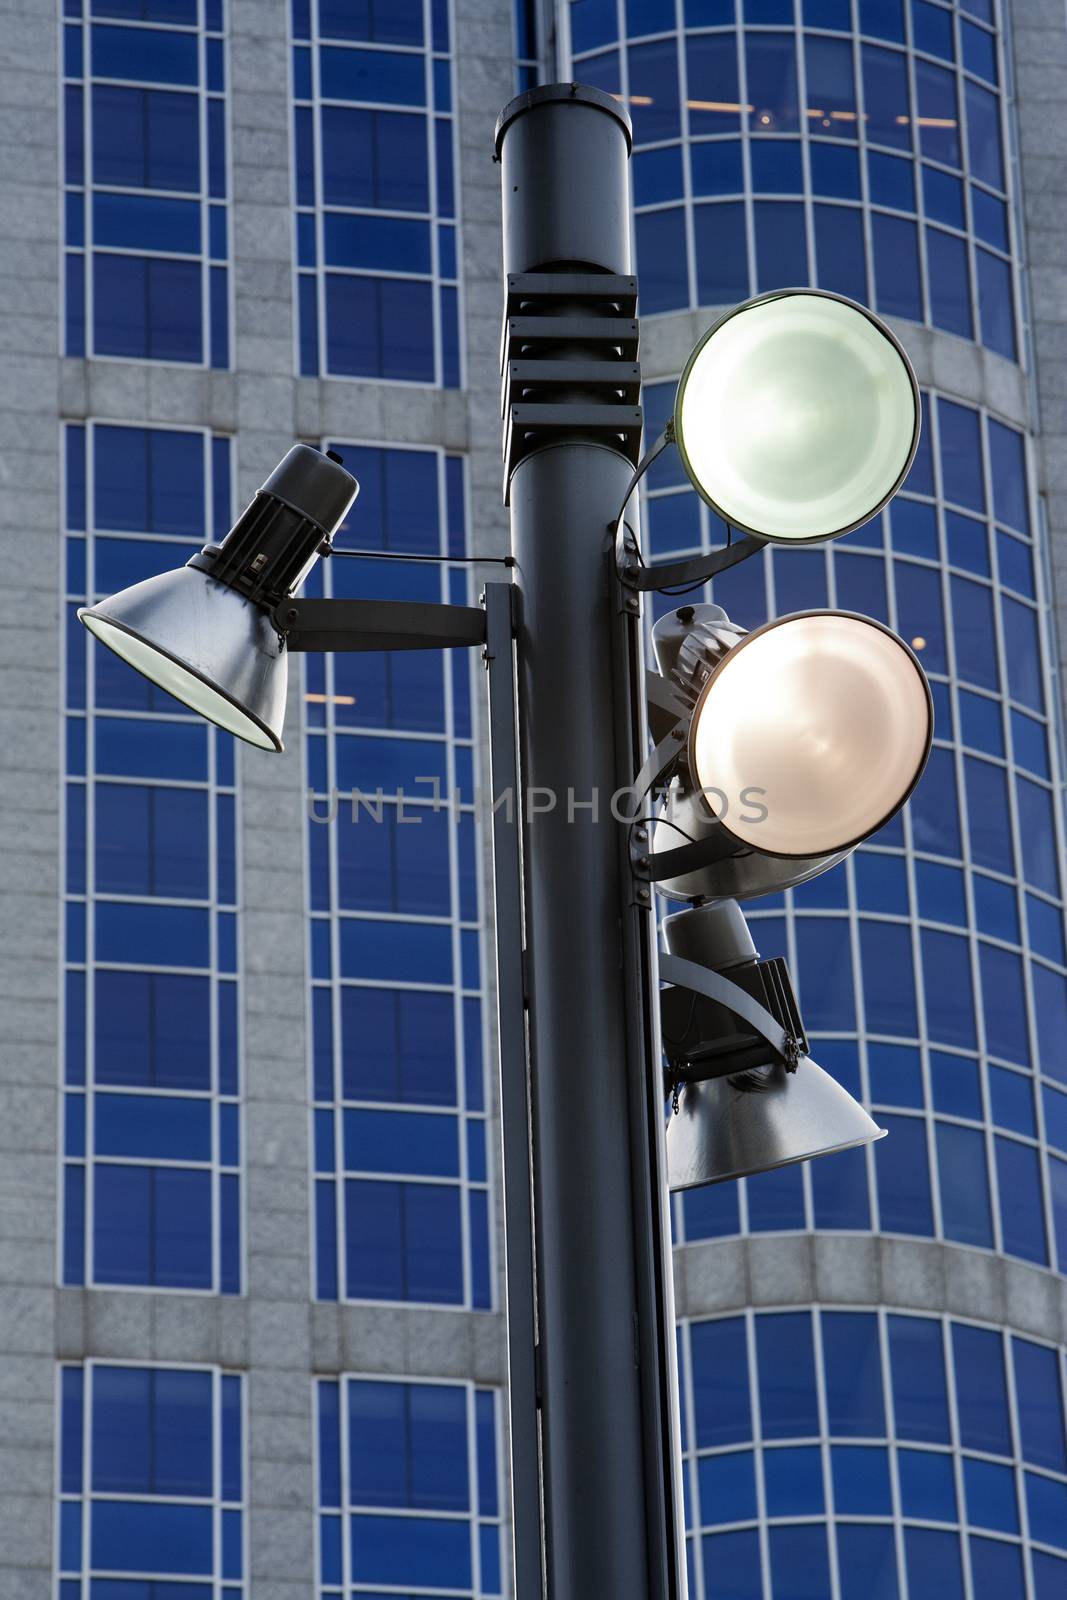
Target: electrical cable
pixel 403 555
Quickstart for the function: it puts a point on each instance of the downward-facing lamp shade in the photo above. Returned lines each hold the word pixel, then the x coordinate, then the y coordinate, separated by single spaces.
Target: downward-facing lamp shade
pixel 797 416
pixel 204 644
pixel 204 632
pixel 821 720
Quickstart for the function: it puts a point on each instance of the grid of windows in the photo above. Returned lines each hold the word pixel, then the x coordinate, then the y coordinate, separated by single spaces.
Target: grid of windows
pixel 398 1076
pixel 151 1483
pixel 151 1134
pixel 409 1489
pixel 146 180
pixel 931 965
pixel 853 144
pixel 872 1456
pixel 374 137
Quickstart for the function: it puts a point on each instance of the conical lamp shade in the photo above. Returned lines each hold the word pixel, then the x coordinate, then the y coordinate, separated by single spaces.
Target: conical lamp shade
pixel 776 1117
pixel 206 645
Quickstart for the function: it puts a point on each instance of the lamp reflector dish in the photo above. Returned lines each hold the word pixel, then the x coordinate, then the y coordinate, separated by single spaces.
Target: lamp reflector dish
pixel 723 1130
pixel 797 416
pixel 811 733
pixel 204 644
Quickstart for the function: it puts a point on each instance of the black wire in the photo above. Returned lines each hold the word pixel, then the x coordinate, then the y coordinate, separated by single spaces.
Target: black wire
pixel 403 555
pixel 676 594
pixel 676 1040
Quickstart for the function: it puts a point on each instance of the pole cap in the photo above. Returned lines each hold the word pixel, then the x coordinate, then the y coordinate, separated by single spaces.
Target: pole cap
pixel 576 93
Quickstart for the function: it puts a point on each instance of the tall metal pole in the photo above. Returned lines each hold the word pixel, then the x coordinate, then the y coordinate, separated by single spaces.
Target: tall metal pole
pixel 610 1484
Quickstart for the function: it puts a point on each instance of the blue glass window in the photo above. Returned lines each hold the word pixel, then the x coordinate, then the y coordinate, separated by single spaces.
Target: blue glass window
pixel 852 1361
pixel 950 294
pixel 1004 1004
pixel 885 88
pixel 896 266
pixel 162 1442
pixel 938 113
pixel 981 1391
pixel 722 253
pixel 1022 1212
pixel 983 136
pixel 996 303
pixel 734 1559
pixel 711 69
pixel 720 1390
pixel 770 63
pixel 920 1396
pixel 825 973
pixel 903 1175
pixel 931 29
pixel 934 1569
pixel 1008 463
pixel 996 1570
pixel 861 1480
pixel 927 1485
pixel 988 816
pixel 834 171
pixel 781 244
pixel 1039 1402
pixel 888 984
pixel 799 1563
pixel 662 259
pixel 840 251
pixel 654 91
pixel 424 1457
pixel 830 88
pixel 786 1360
pixel 949 994
pixel 961 1160
pixel 727 1487
pixel 867 1562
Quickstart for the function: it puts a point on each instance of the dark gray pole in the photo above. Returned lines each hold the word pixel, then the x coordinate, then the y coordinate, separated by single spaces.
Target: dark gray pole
pixel 604 1303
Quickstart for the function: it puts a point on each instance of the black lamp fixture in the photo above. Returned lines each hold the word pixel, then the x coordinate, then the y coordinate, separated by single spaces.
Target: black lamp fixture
pixel 207 632
pixel 747 1095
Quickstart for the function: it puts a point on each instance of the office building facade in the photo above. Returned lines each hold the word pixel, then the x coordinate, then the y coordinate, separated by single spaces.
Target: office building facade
pixel 251 1336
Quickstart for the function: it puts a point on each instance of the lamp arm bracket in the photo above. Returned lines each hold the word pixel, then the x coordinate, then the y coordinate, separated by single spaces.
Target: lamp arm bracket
pixel 361 625
pixel 661 763
pixel 713 986
pixel 686 858
pixel 667 707
pixel 688 573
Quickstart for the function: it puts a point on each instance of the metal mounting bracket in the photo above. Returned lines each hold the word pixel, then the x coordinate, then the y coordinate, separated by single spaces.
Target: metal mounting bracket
pixel 354 625
pixel 714 986
pixel 684 574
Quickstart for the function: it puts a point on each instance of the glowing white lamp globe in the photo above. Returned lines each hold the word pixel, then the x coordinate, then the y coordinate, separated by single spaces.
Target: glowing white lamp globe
pixel 811 733
pixel 797 416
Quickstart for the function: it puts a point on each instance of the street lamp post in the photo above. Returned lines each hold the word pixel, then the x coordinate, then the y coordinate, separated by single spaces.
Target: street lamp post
pixel 605 1322
pixel 796 419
